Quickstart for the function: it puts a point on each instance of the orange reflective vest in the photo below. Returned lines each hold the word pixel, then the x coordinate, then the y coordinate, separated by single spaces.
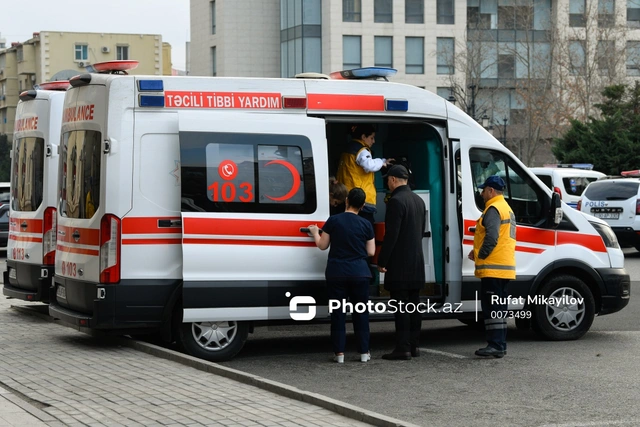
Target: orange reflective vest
pixel 501 262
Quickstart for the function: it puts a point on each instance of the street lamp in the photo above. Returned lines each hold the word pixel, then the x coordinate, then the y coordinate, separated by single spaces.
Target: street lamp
pixel 504 142
pixel 472 112
pixel 485 121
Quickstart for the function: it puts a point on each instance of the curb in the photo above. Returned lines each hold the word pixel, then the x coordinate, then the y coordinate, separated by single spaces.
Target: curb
pixel 342 408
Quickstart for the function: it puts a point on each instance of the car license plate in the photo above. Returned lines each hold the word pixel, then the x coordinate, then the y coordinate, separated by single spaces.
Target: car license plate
pixel 607 215
pixel 61 292
pixel 12 273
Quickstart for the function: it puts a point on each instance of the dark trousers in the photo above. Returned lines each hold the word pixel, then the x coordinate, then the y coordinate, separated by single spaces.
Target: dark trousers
pixel 355 290
pixel 407 324
pixel 495 322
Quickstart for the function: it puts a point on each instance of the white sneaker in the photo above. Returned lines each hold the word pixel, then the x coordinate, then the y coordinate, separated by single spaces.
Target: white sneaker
pixel 338 358
pixel 365 357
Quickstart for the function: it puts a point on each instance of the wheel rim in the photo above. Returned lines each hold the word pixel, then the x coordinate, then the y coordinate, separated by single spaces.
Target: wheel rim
pixel 563 313
pixel 214 336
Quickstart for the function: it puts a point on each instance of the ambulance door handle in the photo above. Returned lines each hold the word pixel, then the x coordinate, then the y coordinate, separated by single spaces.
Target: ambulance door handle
pixel 472 229
pixel 306 230
pixel 168 223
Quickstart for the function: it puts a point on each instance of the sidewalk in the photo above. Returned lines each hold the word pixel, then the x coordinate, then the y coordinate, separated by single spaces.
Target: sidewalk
pixel 13 415
pixel 51 375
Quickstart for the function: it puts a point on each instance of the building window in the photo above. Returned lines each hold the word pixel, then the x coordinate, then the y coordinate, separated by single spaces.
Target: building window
pixel 214 62
pixel 576 13
pixel 383 51
pixel 604 51
pixel 445 12
pixel 606 18
pixel 633 13
pixel 414 11
pixel 382 11
pixel 213 16
pixel 576 57
pixel 414 51
pixel 506 66
pixel 445 54
pixel 351 52
pixel 515 18
pixel 633 58
pixel 81 52
pixel 122 52
pixel 19 54
pixel 351 10
pixel 444 92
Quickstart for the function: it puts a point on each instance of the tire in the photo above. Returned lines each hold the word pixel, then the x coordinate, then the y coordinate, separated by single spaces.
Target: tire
pixel 213 341
pixel 564 321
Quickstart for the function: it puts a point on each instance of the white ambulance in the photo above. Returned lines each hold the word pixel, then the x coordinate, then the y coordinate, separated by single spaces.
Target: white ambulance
pixel 34 176
pixel 183 203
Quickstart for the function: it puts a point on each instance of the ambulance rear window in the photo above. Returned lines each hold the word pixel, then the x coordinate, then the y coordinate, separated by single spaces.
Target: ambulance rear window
pixel 224 172
pixel 28 174
pixel 79 183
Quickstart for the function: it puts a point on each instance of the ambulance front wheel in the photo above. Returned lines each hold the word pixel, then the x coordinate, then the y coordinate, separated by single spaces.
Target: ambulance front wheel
pixel 213 341
pixel 565 310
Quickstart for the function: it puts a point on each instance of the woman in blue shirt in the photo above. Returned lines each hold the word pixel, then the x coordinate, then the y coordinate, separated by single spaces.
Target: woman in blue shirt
pixel 351 241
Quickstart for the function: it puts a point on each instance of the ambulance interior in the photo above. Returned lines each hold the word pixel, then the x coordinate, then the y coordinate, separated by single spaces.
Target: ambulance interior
pixel 418 146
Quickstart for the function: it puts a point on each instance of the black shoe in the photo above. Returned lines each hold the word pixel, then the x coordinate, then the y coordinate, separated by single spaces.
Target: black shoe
pixel 397 356
pixel 490 352
pixel 415 352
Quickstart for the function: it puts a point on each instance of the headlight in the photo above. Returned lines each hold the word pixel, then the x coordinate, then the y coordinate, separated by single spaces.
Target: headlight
pixel 607 234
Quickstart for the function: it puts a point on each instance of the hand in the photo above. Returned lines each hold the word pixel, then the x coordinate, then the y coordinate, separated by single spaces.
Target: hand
pixel 313 229
pixel 471 256
pixel 382 269
pixel 389 162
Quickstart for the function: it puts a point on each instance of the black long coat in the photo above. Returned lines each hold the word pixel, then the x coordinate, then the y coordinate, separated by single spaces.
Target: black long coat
pixel 401 250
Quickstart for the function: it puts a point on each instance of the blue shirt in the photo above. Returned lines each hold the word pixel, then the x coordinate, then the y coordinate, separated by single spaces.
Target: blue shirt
pixel 349 234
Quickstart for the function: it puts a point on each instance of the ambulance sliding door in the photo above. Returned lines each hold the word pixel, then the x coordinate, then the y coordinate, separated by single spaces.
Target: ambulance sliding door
pixel 250 182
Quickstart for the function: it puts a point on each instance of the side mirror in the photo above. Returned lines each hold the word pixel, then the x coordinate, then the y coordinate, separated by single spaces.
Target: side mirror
pixel 555 211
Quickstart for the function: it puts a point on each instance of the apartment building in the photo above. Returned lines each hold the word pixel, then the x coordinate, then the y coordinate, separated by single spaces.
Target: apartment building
pixel 493 57
pixel 54 55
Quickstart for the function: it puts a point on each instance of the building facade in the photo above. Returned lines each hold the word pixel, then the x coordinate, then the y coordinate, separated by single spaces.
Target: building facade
pixel 54 55
pixel 498 59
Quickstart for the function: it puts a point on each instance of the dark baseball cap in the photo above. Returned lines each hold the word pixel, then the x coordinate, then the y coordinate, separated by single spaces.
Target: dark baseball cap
pixel 398 171
pixel 494 181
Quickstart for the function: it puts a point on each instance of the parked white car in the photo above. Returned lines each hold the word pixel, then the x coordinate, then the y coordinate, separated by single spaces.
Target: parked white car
pixel 617 201
pixel 568 182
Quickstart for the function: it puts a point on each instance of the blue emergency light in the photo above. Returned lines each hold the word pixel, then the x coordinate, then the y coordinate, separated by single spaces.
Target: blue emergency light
pixel 397 105
pixel 150 85
pixel 151 101
pixel 365 73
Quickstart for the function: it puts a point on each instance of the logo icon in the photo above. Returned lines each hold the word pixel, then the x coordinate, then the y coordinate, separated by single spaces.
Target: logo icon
pixel 228 170
pixel 301 301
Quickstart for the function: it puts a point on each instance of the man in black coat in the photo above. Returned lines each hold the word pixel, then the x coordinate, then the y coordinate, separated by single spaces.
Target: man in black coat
pixel 402 260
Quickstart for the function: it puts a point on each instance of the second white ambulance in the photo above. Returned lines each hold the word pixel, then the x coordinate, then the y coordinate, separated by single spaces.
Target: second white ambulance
pixel 183 199
pixel 34 177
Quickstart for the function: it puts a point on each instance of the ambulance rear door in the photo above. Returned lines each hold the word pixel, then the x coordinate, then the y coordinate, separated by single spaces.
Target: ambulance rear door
pixel 250 182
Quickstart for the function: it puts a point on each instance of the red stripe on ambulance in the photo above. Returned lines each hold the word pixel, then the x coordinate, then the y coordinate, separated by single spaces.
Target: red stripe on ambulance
pixel 244 227
pixel 148 225
pixel 25 238
pixel 590 241
pixel 318 101
pixel 88 236
pixel 33 225
pixel 241 100
pixel 247 242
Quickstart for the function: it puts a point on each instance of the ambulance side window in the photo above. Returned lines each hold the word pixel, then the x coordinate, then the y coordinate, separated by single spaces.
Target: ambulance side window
pixel 79 182
pixel 257 173
pixel 525 197
pixel 28 174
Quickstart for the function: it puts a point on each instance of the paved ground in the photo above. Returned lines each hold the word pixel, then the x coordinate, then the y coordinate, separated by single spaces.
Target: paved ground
pixel 70 378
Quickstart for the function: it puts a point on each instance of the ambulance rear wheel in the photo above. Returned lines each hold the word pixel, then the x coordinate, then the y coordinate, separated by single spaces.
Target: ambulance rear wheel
pixel 213 341
pixel 571 313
